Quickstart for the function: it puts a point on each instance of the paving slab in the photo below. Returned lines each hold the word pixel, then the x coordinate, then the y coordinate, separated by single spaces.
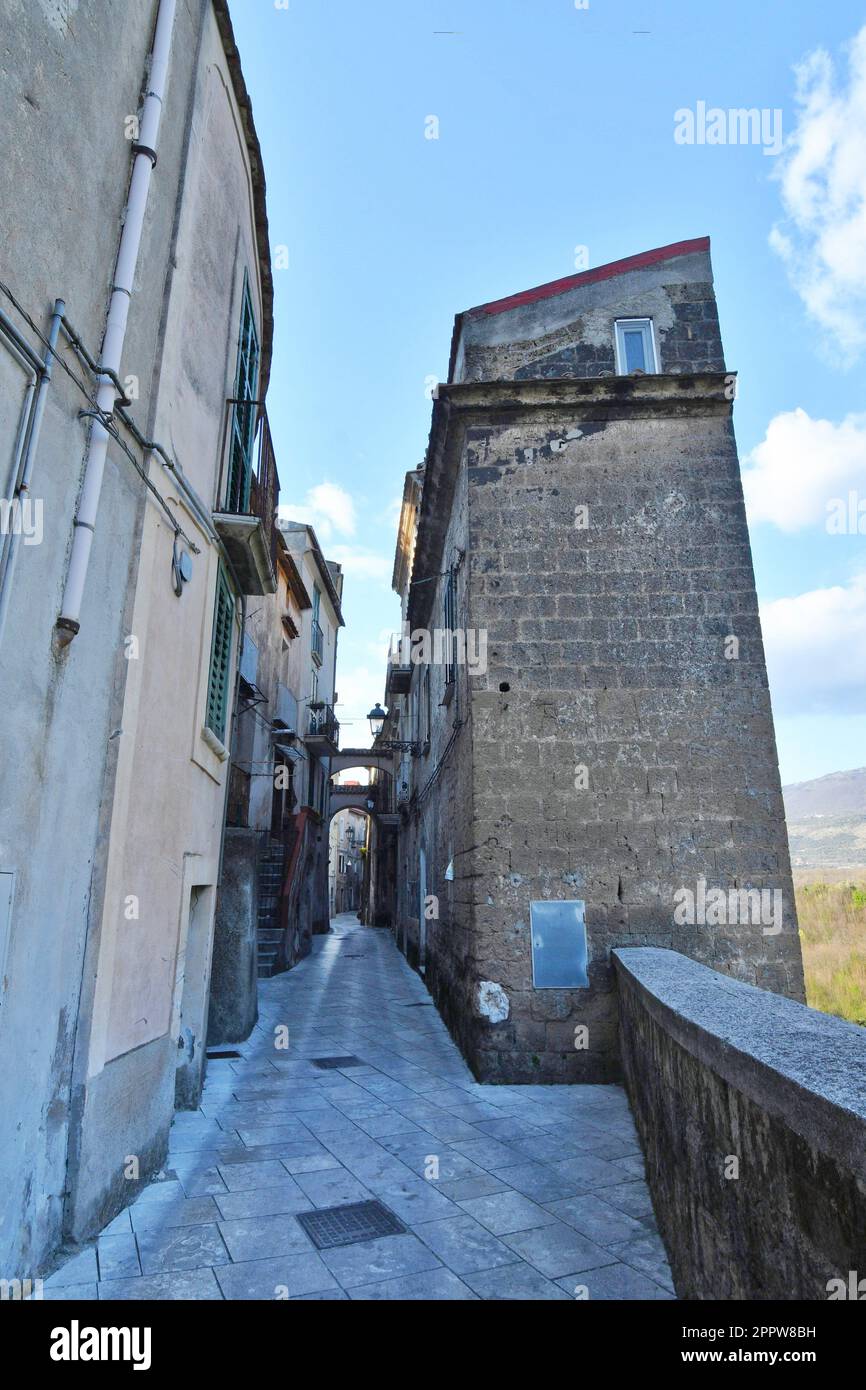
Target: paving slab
pixel 613 1282
pixel 434 1285
pixel 514 1282
pixel 505 1212
pixel 372 1261
pixel 287 1276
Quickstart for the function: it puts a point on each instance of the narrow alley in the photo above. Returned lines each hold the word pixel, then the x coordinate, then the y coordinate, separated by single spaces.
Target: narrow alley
pixel 500 1192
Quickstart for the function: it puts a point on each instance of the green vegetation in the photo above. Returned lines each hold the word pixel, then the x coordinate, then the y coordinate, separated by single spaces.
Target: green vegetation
pixel 832 920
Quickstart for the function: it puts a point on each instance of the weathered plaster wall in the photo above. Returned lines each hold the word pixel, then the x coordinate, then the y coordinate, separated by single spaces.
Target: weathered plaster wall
pixel 151 970
pixel 63 133
pixel 751 1110
pixel 90 826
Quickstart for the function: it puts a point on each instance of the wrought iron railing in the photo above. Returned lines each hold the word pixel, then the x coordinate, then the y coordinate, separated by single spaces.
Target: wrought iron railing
pixel 323 723
pixel 250 485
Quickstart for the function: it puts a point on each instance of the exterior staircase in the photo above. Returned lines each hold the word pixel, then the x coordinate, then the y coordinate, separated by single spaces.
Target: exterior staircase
pixel 269 930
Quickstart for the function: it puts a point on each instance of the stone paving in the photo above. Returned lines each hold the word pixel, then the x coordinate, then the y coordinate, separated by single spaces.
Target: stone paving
pixel 506 1192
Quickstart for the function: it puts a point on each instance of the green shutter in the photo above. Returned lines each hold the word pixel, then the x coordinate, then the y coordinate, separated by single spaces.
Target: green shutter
pixel 244 412
pixel 220 658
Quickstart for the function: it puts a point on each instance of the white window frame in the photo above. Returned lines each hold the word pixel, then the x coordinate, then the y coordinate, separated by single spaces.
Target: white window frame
pixel 645 326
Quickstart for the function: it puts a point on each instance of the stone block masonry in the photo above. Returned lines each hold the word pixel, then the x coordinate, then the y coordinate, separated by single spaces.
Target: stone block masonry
pixel 763 1103
pixel 618 749
pixel 620 755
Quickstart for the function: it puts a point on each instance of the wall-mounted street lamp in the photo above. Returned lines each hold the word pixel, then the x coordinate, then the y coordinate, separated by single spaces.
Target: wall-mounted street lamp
pixel 377 717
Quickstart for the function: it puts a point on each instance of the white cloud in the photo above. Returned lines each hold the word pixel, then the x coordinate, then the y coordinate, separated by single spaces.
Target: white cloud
pixel 815 645
pixel 359 688
pixel 361 564
pixel 801 465
pixel 823 176
pixel 327 507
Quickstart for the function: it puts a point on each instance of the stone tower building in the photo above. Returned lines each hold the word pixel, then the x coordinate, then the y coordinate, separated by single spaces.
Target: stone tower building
pixel 595 766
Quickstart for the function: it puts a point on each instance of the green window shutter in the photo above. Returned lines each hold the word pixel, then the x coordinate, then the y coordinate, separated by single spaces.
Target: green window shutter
pixel 244 412
pixel 220 658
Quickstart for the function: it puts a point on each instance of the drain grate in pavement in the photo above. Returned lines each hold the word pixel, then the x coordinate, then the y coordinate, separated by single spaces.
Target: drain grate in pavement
pixel 331 1226
pixel 217 1056
pixel 332 1063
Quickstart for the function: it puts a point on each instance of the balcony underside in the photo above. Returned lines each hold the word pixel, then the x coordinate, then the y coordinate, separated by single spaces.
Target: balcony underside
pixel 399 680
pixel 321 744
pixel 247 547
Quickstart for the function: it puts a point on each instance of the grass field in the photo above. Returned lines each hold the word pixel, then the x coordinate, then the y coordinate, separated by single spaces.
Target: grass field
pixel 831 908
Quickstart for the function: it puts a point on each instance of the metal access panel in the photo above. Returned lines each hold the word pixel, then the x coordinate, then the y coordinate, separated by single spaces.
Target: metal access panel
pixel 559 951
pixel 330 1227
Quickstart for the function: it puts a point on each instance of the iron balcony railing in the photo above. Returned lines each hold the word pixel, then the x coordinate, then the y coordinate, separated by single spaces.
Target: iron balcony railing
pixel 323 723
pixel 249 483
pixel 318 642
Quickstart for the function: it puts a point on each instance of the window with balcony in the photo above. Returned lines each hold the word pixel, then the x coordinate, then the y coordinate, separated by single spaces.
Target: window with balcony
pixel 243 419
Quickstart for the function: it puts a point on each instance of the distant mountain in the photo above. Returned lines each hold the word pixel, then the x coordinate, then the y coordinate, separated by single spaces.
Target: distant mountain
pixel 827 820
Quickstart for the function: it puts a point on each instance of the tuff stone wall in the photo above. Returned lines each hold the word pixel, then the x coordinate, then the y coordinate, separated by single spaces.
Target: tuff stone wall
pixel 439 821
pixel 607 652
pixel 763 1103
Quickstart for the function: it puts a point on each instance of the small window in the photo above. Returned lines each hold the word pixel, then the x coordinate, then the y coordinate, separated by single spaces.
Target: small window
pixel 220 658
pixel 635 348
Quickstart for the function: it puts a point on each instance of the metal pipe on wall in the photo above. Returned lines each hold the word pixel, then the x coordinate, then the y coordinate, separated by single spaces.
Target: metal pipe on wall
pixel 25 360
pixel 22 481
pixel 69 622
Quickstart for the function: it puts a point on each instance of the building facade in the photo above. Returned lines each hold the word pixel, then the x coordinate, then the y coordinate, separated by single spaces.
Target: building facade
pixel 318 729
pixel 250 930
pixel 593 761
pixel 155 480
pixel 348 849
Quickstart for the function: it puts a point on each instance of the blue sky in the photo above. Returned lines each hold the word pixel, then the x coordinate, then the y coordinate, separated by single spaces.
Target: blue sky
pixel 556 130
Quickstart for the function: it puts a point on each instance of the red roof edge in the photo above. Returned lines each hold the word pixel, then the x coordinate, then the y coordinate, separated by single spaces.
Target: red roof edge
pixel 583 277
pixel 591 277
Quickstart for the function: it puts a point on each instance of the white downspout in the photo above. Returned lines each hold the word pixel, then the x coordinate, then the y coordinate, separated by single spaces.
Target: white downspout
pixel 69 623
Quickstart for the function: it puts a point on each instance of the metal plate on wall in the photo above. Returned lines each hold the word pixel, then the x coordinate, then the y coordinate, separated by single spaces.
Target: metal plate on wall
pixel 559 950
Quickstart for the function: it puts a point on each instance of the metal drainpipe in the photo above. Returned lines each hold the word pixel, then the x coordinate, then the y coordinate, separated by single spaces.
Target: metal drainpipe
pixel 69 623
pixel 25 473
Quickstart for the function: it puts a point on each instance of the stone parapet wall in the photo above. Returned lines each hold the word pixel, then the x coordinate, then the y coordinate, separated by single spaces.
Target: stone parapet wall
pixel 751 1110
